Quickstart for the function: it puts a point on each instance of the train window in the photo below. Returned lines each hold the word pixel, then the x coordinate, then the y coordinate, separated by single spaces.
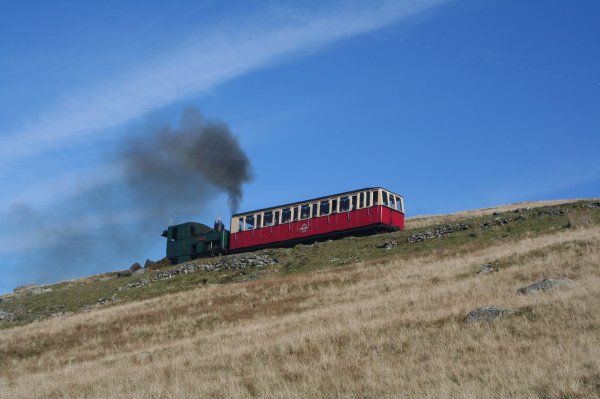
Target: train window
pixel 375 198
pixel 305 211
pixel 249 222
pixel 268 219
pixel 344 204
pixel 399 204
pixel 384 196
pixel 361 202
pixel 334 206
pixel 276 218
pixel 286 215
pixel 315 208
pixel 296 213
pixel 192 231
pixel 392 202
pixel 324 208
pixel 354 202
pixel 258 221
pixel 241 224
pixel 174 233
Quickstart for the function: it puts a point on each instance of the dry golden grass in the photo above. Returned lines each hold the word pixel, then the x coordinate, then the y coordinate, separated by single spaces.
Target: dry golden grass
pixel 416 222
pixel 391 329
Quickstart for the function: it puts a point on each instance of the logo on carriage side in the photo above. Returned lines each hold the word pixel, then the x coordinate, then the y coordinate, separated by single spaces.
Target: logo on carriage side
pixel 304 228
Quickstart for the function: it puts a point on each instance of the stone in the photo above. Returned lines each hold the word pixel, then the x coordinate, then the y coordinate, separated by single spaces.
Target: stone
pixel 39 290
pixel 149 264
pixel 489 313
pixel 139 271
pixel 124 273
pixel 437 232
pixel 134 267
pixel 485 269
pixel 5 316
pixel 545 284
pixel 388 245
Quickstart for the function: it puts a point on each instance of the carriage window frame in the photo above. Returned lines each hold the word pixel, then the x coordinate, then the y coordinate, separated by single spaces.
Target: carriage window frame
pixel 268 219
pixel 324 208
pixel 286 215
pixel 304 211
pixel 250 222
pixel 344 204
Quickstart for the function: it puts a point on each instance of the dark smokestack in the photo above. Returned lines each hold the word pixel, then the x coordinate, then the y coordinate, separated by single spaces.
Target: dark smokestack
pixel 171 170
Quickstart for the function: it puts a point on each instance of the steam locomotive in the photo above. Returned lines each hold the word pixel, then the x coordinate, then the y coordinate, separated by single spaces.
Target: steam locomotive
pixel 360 212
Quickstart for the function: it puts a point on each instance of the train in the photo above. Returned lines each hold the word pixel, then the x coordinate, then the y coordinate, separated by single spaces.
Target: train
pixel 365 211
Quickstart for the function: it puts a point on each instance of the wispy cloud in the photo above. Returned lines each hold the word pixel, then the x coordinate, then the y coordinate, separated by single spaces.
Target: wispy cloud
pixel 191 70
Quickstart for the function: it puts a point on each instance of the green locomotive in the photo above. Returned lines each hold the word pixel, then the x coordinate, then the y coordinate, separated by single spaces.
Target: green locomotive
pixel 191 240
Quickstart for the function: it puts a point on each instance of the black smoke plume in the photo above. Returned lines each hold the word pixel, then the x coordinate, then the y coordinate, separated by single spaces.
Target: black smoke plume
pixel 170 175
pixel 172 170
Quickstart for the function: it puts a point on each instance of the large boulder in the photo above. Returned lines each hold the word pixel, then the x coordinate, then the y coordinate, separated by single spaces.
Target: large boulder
pixel 489 313
pixel 544 285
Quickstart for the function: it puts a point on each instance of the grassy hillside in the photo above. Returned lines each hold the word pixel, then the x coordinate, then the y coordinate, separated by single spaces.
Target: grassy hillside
pixel 378 316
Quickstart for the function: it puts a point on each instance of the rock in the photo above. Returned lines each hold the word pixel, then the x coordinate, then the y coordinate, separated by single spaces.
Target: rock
pixel 139 271
pixel 489 313
pixel 438 232
pixel 544 285
pixel 149 264
pixel 485 269
pixel 39 290
pixel 5 316
pixel 124 273
pixel 135 266
pixel 388 245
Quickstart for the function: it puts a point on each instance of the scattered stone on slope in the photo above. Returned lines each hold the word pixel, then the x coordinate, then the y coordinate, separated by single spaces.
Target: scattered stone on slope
pixel 544 285
pixel 388 244
pixel 489 313
pixel 5 316
pixel 500 221
pixel 485 269
pixel 550 212
pixel 592 205
pixel 231 262
pixel 437 232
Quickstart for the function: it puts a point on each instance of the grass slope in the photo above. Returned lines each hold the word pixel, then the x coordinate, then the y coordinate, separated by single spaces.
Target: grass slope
pixel 343 318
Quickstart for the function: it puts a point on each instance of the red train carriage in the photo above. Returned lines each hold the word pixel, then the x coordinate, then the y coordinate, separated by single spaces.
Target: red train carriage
pixel 351 213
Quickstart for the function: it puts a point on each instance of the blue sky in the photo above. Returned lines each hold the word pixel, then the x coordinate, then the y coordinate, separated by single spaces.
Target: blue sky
pixel 454 104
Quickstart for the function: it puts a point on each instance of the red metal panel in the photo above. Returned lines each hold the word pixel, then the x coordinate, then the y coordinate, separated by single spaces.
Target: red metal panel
pixel 303 229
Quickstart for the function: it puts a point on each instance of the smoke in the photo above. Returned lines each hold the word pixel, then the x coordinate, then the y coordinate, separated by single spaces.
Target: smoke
pixel 169 175
pixel 172 170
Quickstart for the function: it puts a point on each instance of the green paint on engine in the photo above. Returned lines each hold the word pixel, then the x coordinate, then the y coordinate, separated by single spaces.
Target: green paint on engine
pixel 191 240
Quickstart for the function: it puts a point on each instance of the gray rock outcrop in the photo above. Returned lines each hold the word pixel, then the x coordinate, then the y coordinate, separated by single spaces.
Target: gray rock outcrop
pixel 485 269
pixel 134 267
pixel 437 232
pixel 5 316
pixel 241 261
pixel 489 313
pixel 545 284
pixel 124 273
